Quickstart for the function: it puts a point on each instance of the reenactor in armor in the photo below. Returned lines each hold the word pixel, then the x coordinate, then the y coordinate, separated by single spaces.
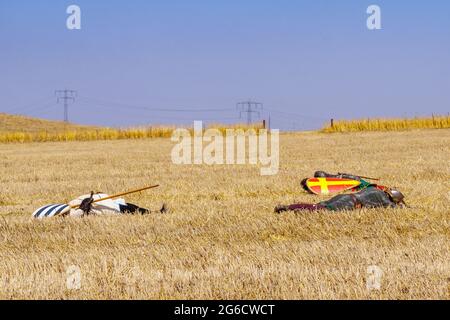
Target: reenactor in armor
pixel 368 196
pixel 371 197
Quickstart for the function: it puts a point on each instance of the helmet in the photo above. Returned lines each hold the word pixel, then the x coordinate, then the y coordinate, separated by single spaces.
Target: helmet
pixel 396 196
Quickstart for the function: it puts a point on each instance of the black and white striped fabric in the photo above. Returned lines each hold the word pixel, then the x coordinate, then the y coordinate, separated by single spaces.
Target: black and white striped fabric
pixel 49 211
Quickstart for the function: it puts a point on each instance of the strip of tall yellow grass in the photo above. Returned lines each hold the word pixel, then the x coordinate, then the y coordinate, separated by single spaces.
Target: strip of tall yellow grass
pixel 104 134
pixel 435 122
pixel 85 135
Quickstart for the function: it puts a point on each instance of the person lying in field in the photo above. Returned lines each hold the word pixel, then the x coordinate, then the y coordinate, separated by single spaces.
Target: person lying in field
pixel 84 206
pixel 106 207
pixel 371 197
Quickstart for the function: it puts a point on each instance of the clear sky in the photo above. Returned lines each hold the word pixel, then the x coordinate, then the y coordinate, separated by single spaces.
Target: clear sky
pixel 139 62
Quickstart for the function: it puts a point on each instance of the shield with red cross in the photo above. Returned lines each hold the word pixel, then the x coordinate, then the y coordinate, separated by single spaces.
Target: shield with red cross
pixel 326 186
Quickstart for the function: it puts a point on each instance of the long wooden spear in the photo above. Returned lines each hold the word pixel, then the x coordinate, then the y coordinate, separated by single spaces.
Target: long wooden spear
pixel 118 195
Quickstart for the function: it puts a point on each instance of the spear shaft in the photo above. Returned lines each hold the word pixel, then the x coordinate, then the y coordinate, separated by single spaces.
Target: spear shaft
pixel 119 195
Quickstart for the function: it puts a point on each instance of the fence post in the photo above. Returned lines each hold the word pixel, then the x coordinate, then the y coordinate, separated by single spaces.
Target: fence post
pixel 332 123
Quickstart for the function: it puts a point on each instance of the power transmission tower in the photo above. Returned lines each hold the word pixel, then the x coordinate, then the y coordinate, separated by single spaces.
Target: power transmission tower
pixel 66 96
pixel 249 107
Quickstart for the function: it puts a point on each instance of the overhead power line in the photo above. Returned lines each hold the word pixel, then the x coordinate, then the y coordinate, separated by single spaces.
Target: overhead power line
pixel 299 116
pixel 25 108
pixel 129 106
pixel 39 109
pixel 249 109
pixel 146 113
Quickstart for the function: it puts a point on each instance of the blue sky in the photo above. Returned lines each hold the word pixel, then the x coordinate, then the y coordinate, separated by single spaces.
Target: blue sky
pixel 138 62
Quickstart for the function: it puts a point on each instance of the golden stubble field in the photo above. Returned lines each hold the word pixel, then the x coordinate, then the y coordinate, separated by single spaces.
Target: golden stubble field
pixel 221 239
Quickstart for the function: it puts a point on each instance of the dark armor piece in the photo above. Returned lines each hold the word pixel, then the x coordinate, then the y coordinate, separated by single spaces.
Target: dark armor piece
pixel 163 209
pixel 396 196
pixel 130 208
pixel 304 186
pixel 86 204
pixel 370 197
pixel 299 206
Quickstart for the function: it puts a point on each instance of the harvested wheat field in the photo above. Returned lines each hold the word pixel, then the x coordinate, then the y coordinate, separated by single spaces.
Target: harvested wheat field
pixel 221 239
